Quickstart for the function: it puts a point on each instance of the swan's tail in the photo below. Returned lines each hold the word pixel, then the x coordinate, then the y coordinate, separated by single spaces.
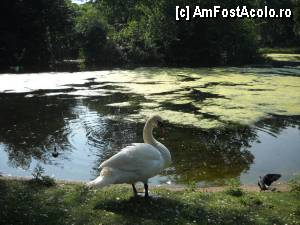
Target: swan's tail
pixel 103 180
pixel 99 182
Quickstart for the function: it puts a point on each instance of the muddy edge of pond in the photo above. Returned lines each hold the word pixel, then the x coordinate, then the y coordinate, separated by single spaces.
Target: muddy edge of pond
pixel 280 186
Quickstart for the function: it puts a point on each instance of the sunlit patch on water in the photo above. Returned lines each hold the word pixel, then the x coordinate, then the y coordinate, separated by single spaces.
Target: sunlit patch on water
pixel 217 119
pixel 239 95
pixel 284 57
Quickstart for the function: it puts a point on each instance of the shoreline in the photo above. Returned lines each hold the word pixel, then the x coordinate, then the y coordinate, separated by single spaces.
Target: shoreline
pixel 73 66
pixel 279 186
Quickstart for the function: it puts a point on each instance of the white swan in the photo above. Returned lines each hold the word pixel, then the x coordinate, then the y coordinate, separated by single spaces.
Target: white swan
pixel 137 162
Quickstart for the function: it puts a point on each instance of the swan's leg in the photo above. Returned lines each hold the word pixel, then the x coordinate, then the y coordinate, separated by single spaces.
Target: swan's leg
pixel 134 190
pixel 146 190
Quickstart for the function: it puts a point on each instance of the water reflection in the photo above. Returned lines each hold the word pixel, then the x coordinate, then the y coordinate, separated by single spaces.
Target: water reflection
pixel 211 155
pixel 84 125
pixel 95 116
pixel 30 127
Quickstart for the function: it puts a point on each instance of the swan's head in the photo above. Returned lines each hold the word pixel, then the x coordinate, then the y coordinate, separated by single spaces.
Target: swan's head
pixel 155 121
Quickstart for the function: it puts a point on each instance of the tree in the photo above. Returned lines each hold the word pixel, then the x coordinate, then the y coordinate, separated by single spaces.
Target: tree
pixel 34 33
pixel 277 32
pixel 296 13
pixel 95 47
pixel 149 34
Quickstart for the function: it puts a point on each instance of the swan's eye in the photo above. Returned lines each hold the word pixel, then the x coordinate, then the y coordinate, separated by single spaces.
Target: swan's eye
pixel 160 124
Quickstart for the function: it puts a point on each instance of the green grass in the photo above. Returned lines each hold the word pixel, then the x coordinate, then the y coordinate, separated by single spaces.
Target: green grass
pixel 23 202
pixel 283 57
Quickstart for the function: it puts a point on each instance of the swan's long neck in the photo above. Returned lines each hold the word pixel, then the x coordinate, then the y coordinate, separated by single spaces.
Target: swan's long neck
pixel 147 134
pixel 149 139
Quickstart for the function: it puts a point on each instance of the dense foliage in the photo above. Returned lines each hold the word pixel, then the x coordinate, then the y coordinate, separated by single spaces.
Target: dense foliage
pixel 38 34
pixel 35 33
pixel 280 32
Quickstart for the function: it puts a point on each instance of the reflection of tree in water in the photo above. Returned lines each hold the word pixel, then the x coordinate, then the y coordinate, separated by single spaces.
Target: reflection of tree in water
pixel 276 124
pixel 218 153
pixel 210 155
pixel 30 127
pixel 197 155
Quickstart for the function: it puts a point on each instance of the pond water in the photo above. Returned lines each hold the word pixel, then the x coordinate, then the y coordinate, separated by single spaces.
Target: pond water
pixel 220 122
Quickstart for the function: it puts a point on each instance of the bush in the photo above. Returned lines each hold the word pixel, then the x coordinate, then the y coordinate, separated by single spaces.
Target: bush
pixel 192 185
pixel 234 188
pixel 39 178
pixel 295 184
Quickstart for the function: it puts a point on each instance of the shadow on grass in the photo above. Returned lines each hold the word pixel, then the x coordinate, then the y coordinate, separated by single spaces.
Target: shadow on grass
pixel 23 203
pixel 163 210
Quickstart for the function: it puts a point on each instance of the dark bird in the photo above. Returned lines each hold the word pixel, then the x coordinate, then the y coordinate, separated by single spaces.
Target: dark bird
pixel 55 153
pixel 265 181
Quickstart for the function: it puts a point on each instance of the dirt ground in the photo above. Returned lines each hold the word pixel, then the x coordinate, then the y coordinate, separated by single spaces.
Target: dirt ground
pixel 277 186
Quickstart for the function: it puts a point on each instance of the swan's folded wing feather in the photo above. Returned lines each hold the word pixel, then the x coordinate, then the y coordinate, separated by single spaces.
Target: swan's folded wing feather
pixel 133 158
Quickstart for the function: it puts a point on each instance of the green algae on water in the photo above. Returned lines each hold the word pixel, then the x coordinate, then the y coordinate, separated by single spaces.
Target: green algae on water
pixel 202 98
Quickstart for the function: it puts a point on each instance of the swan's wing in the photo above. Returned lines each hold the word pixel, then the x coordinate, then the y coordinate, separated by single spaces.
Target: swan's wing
pixel 270 178
pixel 134 158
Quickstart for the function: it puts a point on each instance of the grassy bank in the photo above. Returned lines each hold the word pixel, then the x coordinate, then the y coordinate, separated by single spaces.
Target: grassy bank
pixel 279 57
pixel 25 202
pixel 292 50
